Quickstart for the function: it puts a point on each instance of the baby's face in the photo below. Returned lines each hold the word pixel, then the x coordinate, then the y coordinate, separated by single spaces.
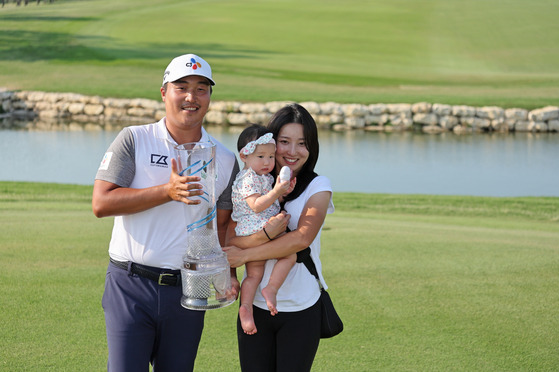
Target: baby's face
pixel 263 159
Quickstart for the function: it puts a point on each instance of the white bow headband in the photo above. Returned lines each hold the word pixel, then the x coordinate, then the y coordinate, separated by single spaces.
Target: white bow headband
pixel 263 140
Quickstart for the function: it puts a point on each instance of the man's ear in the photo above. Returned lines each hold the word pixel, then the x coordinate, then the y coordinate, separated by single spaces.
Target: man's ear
pixel 163 91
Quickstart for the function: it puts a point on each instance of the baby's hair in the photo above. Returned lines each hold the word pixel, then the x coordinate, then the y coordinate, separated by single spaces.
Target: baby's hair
pixel 251 133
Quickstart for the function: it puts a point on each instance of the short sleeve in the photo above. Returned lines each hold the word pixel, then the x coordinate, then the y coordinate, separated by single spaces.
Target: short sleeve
pixel 119 164
pixel 224 201
pixel 319 184
pixel 252 184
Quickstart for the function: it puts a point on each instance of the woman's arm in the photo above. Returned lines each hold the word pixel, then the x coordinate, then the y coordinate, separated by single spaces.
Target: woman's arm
pixel 311 220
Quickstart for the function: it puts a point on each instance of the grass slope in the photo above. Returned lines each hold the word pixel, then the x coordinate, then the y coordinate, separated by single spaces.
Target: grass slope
pixel 422 283
pixel 450 51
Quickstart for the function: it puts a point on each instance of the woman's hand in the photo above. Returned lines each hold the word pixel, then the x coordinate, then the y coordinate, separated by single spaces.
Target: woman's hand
pixel 292 184
pixel 277 224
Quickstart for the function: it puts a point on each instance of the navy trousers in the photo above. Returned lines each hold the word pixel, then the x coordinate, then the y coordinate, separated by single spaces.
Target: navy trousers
pixel 146 323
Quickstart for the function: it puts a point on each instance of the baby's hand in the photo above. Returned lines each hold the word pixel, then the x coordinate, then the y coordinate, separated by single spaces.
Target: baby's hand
pixel 281 188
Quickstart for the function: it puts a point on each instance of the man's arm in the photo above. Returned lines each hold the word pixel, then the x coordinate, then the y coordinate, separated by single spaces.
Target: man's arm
pixel 110 199
pixel 223 222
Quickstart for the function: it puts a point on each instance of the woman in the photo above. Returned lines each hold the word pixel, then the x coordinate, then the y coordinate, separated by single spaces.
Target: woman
pixel 289 340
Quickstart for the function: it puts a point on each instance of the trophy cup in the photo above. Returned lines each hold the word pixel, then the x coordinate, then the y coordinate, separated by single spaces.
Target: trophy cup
pixel 205 273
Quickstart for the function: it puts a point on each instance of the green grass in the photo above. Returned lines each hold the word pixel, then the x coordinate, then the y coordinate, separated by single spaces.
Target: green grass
pixel 423 283
pixel 474 52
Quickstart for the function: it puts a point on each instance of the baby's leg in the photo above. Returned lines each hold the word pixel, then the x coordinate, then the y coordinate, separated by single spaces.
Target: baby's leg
pixel 279 273
pixel 254 270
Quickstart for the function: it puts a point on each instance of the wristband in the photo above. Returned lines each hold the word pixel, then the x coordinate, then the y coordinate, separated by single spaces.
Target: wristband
pixel 264 229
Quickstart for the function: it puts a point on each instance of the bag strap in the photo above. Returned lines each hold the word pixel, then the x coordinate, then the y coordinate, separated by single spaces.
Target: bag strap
pixel 304 256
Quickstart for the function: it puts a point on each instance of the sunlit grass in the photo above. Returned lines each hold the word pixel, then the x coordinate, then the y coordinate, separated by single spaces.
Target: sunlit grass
pixel 476 52
pixel 421 282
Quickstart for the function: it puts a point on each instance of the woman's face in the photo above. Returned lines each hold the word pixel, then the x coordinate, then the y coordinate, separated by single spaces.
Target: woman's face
pixel 291 149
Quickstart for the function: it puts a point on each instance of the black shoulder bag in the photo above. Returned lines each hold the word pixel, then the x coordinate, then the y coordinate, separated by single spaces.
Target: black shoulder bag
pixel 331 324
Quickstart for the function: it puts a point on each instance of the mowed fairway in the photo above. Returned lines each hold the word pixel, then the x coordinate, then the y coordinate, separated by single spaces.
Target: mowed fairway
pixel 474 52
pixel 423 283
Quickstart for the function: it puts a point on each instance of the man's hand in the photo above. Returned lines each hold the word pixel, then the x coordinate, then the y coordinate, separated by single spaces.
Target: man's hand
pixel 235 286
pixel 181 188
pixel 235 257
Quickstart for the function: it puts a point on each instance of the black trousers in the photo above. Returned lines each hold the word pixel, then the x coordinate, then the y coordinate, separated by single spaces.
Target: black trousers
pixel 286 342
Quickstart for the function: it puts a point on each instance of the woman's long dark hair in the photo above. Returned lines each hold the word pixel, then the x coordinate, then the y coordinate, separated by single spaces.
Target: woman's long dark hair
pixel 295 113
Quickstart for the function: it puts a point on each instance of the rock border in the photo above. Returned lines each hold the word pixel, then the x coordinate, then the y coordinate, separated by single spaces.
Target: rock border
pixel 111 113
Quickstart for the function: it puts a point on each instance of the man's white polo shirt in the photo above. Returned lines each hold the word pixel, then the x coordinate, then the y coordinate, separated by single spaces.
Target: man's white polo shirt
pixel 140 157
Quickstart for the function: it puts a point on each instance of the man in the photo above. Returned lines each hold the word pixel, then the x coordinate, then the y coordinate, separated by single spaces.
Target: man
pixel 138 183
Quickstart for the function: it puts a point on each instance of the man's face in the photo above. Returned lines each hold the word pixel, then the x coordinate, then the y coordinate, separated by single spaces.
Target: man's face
pixel 186 102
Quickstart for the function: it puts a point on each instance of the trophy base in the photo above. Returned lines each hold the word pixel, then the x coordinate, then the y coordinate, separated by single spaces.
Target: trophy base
pixel 206 283
pixel 204 303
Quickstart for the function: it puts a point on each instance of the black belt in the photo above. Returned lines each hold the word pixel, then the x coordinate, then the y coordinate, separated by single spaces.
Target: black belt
pixel 160 276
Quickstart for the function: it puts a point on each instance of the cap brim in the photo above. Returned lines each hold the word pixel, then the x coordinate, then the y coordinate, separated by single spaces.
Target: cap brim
pixel 205 77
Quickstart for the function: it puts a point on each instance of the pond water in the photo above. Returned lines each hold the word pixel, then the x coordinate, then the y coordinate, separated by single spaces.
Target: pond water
pixel 521 164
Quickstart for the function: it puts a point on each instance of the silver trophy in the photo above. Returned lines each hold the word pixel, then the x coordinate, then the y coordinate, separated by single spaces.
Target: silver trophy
pixel 206 275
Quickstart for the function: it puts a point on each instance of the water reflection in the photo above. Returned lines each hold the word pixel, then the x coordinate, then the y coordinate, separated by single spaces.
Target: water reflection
pixel 521 164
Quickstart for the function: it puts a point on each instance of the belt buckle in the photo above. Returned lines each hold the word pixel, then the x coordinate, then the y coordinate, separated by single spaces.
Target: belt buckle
pixel 161 276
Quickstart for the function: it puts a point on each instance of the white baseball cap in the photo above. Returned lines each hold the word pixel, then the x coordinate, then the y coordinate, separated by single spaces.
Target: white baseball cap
pixel 186 65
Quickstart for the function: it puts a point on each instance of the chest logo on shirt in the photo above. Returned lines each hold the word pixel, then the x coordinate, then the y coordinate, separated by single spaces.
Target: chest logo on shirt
pixel 159 160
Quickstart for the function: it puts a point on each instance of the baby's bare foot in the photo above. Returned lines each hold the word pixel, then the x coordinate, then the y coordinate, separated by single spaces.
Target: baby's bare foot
pixel 269 294
pixel 247 320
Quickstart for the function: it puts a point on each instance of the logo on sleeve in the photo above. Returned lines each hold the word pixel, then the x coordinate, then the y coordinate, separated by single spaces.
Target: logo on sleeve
pixel 106 161
pixel 159 160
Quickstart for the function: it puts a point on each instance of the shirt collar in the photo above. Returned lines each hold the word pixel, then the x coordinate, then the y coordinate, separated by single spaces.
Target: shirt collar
pixel 163 134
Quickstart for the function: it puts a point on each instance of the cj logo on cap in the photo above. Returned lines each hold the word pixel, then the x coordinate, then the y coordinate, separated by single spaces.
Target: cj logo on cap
pixel 193 64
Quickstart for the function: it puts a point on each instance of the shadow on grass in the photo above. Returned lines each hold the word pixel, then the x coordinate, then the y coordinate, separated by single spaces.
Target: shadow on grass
pixel 45 45
pixel 26 18
pixel 31 46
